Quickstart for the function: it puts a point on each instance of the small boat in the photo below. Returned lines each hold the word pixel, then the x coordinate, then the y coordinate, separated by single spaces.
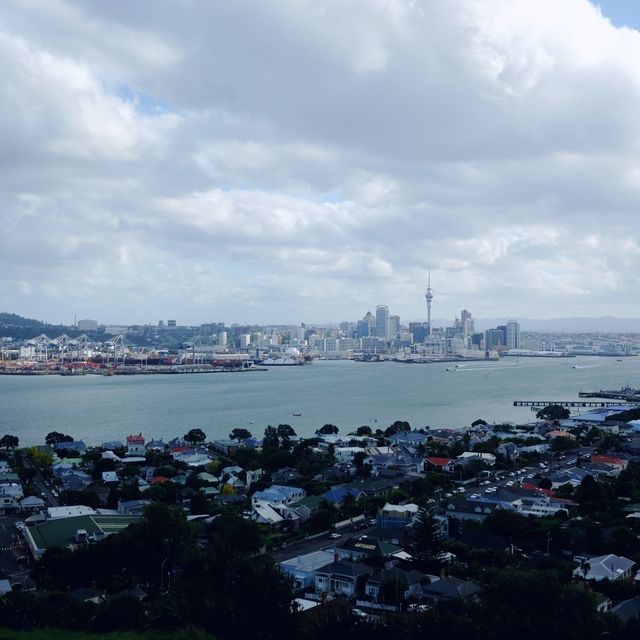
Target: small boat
pixel 296 413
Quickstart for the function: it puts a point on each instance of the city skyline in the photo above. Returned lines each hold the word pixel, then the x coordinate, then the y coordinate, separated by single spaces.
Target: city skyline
pixel 266 163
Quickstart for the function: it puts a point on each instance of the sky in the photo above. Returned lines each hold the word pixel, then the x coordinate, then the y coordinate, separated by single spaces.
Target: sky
pixel 307 160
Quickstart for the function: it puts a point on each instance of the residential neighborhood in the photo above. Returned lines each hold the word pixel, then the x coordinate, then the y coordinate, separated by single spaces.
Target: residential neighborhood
pixel 391 523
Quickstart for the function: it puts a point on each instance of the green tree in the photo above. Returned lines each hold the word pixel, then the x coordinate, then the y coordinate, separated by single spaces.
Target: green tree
pixel 54 437
pixel 9 442
pixel 285 433
pixel 553 412
pixel 328 430
pixel 41 460
pixel 239 434
pixel 195 436
pixel 364 431
pixel 399 426
pixel 426 542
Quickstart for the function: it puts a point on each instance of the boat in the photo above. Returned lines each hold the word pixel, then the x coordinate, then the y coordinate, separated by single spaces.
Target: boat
pixel 296 413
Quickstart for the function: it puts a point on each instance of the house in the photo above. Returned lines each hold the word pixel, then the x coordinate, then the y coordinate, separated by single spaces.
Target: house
pixel 286 475
pixel 132 507
pixel 439 464
pixel 508 451
pixel 303 568
pixel 156 445
pixel 75 447
pixel 31 504
pixel 109 476
pixel 342 577
pixel 468 456
pixel 135 445
pixel 360 547
pixel 408 583
pixel 408 437
pixel 627 609
pixel 339 493
pixel 613 461
pixel 609 567
pixel 451 589
pixel 279 494
pixel 396 516
pixel 470 510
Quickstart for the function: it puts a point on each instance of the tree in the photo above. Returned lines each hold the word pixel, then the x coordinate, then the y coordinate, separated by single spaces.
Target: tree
pixel 239 434
pixel 54 437
pixel 364 431
pixel 328 430
pixel 479 422
pixel 9 442
pixel 195 436
pixel 285 433
pixel 427 540
pixel 553 412
pixel 270 439
pixel 41 460
pixel 399 426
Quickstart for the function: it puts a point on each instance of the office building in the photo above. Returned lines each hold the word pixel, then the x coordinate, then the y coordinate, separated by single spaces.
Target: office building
pixel 382 322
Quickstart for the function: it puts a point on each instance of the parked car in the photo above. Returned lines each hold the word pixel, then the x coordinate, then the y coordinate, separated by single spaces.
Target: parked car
pixel 334 536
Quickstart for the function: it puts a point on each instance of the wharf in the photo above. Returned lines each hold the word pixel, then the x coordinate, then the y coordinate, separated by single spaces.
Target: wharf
pixel 565 403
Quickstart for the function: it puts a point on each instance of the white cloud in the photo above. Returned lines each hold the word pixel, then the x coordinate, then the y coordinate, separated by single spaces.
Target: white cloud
pixel 308 160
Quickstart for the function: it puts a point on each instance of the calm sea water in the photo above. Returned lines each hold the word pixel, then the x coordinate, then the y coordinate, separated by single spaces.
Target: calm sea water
pixel 347 394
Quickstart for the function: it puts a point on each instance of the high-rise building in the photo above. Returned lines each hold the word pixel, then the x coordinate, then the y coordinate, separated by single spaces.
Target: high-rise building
pixel 362 329
pixel 419 331
pixel 512 335
pixel 466 323
pixel 494 338
pixel 382 322
pixel 394 326
pixel 429 297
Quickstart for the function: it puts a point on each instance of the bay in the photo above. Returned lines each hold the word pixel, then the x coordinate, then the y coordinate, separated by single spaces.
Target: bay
pixel 347 394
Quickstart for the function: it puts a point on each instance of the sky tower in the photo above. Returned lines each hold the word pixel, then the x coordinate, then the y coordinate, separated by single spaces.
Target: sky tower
pixel 429 297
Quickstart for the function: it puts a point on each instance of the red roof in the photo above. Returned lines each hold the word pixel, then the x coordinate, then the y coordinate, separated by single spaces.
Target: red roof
pixel 439 462
pixel 139 439
pixel 529 486
pixel 608 460
pixel 158 480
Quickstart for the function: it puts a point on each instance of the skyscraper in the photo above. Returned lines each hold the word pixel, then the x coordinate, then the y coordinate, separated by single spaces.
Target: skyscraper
pixel 394 326
pixel 429 297
pixel 513 335
pixel 382 322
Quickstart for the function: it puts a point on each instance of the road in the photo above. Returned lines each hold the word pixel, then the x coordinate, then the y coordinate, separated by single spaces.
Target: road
pixel 323 542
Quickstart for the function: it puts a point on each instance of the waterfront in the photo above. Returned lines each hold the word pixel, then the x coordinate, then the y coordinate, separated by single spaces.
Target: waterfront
pixel 348 394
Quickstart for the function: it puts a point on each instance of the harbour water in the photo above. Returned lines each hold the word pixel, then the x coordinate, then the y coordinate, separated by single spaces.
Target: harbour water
pixel 347 394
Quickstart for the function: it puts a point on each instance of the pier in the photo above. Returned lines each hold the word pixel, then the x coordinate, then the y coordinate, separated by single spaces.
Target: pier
pixel 565 403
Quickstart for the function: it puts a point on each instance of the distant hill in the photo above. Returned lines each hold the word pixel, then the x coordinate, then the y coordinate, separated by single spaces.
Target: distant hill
pixel 15 326
pixel 14 320
pixel 607 324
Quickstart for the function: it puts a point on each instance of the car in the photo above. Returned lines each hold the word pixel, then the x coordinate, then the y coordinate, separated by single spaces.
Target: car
pixel 335 535
pixel 510 483
pixel 530 476
pixel 511 474
pixel 448 495
pixel 474 496
pixel 486 483
pixel 373 522
pixel 460 490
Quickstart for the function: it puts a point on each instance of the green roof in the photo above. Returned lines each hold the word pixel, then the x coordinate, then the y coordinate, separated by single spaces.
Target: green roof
pixel 61 532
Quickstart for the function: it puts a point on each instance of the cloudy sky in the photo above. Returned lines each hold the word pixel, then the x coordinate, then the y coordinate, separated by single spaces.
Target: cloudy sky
pixel 305 160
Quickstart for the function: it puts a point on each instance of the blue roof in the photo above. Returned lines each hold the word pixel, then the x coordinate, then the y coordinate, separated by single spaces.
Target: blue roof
pixel 338 494
pixel 408 436
pixel 76 445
